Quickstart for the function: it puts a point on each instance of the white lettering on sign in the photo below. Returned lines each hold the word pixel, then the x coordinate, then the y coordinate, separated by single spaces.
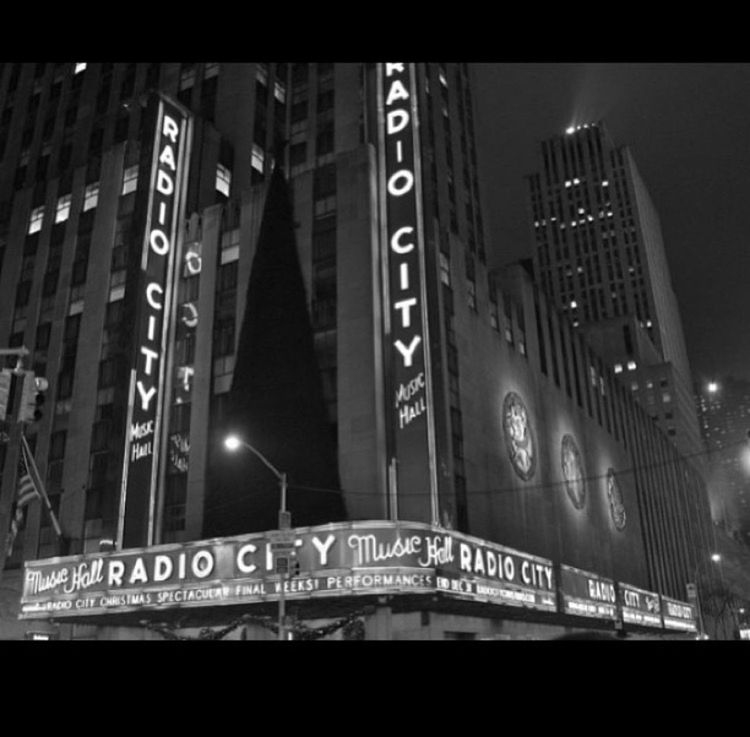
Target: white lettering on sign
pixel 602 591
pixel 632 599
pixel 679 610
pixel 439 551
pixel 371 550
pixel 398 184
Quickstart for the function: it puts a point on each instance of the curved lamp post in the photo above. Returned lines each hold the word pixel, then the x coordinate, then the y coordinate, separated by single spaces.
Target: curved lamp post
pixel 715 558
pixel 233 443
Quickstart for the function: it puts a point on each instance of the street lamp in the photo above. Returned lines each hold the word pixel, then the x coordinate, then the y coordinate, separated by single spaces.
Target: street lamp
pixel 232 443
pixel 715 557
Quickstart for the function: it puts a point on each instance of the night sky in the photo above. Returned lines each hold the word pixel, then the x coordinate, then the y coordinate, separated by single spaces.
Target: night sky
pixel 688 128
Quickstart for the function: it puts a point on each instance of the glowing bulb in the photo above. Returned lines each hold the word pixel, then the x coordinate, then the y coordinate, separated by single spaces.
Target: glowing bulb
pixel 570 130
pixel 232 442
pixel 713 387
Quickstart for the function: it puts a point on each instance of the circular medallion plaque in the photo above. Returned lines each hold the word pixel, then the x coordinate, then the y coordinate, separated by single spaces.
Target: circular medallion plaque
pixel 519 438
pixel 572 468
pixel 616 506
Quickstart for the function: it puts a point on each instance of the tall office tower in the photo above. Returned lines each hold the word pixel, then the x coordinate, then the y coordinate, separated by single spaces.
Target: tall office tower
pixel 724 415
pixel 600 257
pixel 131 198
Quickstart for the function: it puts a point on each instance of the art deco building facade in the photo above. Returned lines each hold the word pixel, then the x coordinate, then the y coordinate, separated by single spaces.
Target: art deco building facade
pixel 453 397
pixel 599 254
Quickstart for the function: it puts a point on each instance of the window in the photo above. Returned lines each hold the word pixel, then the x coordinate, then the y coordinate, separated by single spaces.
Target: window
pixel 79 67
pixel 63 208
pixel 618 368
pixel 91 196
pixel 42 336
pixel 223 179
pixel 471 294
pixel 130 180
pixel 445 269
pixel 36 219
pixel 257 158
pixel 211 70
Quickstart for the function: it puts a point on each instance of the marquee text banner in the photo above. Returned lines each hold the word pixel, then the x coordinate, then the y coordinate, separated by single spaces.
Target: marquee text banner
pixel 335 560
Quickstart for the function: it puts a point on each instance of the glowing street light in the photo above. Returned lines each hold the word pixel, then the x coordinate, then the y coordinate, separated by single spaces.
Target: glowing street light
pixel 712 387
pixel 232 443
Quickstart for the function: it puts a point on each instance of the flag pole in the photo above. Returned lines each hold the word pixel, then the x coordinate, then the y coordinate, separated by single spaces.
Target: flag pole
pixel 37 479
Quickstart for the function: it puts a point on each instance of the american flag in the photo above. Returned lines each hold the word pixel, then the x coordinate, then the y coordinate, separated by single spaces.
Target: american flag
pixel 25 492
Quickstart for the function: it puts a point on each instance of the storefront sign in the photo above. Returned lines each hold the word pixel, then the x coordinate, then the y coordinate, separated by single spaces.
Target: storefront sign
pixel 585 594
pixel 155 298
pixel 335 560
pixel 638 606
pixel 677 615
pixel 409 397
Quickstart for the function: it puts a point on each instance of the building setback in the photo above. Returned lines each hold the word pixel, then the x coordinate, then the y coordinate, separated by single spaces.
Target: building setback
pixel 521 433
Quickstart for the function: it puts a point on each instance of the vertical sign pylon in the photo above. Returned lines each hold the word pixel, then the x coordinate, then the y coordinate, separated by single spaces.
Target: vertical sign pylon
pixel 147 394
pixel 409 399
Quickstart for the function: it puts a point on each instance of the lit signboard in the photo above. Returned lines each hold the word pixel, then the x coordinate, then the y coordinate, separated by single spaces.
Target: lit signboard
pixel 677 615
pixel 638 606
pixel 335 560
pixel 413 481
pixel 165 203
pixel 585 594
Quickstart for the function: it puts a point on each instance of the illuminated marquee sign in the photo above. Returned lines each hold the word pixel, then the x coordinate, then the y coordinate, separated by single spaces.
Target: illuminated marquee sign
pixel 585 594
pixel 409 393
pixel 638 606
pixel 335 560
pixel 165 203
pixel 677 615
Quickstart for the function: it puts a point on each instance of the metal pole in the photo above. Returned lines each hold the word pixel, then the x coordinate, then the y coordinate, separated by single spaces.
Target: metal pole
pixel 282 602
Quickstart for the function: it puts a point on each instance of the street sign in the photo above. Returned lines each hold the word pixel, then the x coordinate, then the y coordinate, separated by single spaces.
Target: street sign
pixel 285 520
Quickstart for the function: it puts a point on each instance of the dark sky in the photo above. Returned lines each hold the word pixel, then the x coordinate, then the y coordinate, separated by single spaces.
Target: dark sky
pixel 688 128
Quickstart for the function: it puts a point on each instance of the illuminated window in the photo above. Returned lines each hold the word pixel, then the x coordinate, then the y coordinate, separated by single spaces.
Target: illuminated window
pixel 257 158
pixel 262 74
pixel 631 366
pixel 279 92
pixel 130 180
pixel 618 368
pixel 63 208
pixel 443 79
pixel 211 70
pixel 471 294
pixel 223 179
pixel 666 397
pixel 91 196
pixel 573 304
pixel 445 269
pixel 79 67
pixel 36 219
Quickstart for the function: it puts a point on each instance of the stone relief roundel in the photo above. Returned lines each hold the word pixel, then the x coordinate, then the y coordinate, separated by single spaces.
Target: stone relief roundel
pixel 519 438
pixel 616 506
pixel 572 468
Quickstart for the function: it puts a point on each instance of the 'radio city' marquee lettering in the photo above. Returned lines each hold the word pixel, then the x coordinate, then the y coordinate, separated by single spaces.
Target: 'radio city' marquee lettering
pixel 400 182
pixel 161 245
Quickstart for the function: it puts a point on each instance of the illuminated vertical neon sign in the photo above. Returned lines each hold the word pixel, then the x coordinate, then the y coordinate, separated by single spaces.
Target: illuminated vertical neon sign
pixel 409 407
pixel 147 394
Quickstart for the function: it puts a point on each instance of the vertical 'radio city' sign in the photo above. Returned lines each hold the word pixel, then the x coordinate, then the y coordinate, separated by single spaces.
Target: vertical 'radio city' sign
pixel 409 394
pixel 164 206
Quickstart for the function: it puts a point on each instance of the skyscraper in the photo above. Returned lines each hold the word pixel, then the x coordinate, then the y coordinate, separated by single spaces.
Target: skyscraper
pixel 599 254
